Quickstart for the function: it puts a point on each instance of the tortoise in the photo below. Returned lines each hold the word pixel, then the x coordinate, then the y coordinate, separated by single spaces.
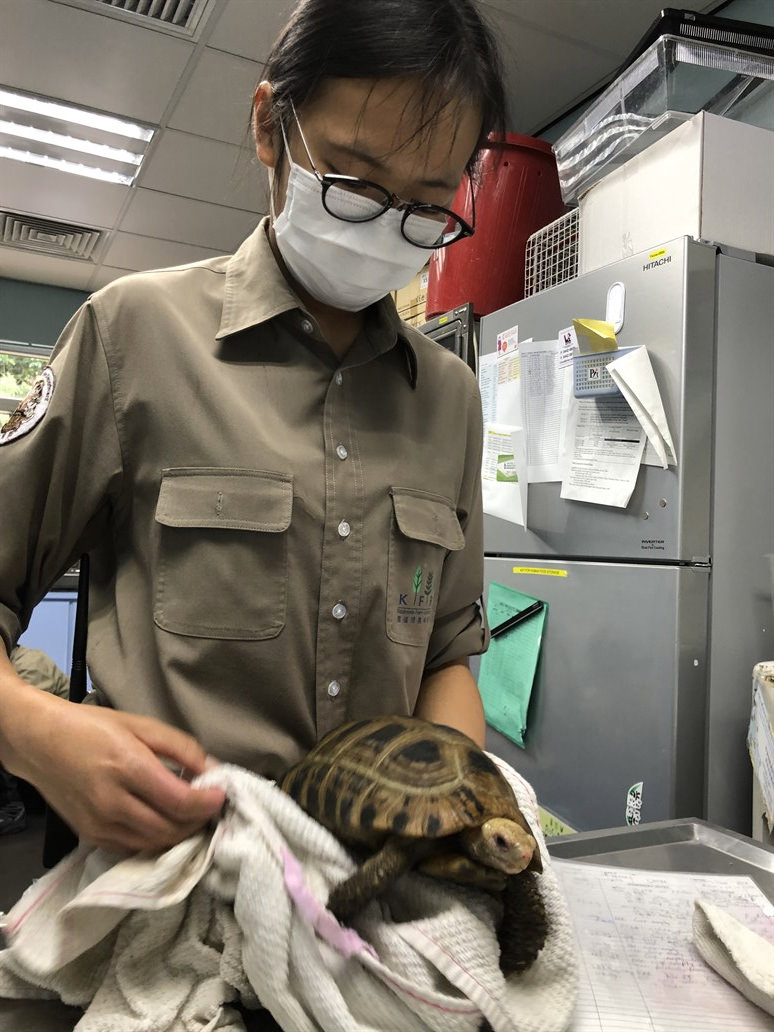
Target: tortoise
pixel 425 796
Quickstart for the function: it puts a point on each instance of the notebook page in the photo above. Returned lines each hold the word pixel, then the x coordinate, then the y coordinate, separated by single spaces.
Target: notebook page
pixel 639 969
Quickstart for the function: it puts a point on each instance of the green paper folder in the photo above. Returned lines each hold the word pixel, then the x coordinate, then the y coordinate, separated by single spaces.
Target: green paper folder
pixel 508 667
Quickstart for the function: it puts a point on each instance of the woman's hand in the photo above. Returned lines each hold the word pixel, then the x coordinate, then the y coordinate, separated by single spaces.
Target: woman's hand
pixel 102 771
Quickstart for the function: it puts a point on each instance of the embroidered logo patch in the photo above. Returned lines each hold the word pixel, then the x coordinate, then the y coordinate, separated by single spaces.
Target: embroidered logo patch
pixel 416 605
pixel 31 410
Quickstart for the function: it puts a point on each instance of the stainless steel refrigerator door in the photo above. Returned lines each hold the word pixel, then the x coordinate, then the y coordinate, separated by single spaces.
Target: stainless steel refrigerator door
pixel 670 308
pixel 741 617
pixel 619 696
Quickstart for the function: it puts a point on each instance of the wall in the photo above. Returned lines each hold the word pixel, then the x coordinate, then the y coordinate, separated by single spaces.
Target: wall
pixel 35 313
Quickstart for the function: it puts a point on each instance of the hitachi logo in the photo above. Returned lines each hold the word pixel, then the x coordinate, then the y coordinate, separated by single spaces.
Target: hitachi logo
pixel 660 261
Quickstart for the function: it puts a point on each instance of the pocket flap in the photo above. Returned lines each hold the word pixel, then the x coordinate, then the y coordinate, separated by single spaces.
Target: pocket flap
pixel 234 499
pixel 426 517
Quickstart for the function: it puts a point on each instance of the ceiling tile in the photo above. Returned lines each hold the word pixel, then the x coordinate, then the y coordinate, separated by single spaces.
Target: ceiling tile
pixel 89 59
pixel 126 251
pixel 206 170
pixel 603 25
pixel 185 221
pixel 106 274
pixel 43 268
pixel 218 98
pixel 249 27
pixel 60 195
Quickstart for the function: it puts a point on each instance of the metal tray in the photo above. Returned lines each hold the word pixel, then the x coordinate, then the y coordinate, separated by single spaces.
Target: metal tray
pixel 682 845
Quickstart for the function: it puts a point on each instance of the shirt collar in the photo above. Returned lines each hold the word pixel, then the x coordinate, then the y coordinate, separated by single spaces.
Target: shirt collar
pixel 256 291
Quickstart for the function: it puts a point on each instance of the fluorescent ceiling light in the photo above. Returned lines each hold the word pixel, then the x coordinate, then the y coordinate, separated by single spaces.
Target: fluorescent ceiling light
pixel 27 132
pixel 67 113
pixel 62 165
pixel 70 139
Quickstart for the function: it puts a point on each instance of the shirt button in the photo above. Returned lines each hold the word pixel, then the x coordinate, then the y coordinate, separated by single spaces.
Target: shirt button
pixel 333 689
pixel 307 326
pixel 339 611
pixel 344 529
pixel 338 379
pixel 342 452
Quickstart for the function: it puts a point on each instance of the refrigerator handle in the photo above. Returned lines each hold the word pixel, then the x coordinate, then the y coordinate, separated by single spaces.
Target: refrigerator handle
pixel 616 304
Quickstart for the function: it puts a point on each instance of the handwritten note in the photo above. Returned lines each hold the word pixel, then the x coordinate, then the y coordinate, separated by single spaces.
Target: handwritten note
pixel 640 971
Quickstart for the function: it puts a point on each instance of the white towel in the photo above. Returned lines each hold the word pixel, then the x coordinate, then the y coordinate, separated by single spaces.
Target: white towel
pixel 164 943
pixel 740 955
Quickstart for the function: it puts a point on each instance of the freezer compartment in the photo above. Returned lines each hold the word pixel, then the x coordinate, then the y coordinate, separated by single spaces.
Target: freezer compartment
pixel 648 529
pixel 669 308
pixel 619 697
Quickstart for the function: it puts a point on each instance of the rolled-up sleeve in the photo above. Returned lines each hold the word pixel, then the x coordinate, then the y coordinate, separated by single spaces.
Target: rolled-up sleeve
pixel 460 627
pixel 58 479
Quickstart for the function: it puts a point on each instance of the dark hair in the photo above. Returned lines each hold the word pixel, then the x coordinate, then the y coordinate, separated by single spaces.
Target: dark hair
pixel 444 44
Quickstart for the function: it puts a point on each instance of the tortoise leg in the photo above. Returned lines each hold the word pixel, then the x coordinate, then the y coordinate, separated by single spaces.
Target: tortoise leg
pixel 522 933
pixel 373 877
pixel 462 870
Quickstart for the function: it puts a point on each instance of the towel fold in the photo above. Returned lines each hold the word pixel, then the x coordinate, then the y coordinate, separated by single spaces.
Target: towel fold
pixel 237 913
pixel 740 955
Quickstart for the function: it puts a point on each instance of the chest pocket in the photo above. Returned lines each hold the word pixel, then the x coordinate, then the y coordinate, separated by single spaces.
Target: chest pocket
pixel 424 529
pixel 222 559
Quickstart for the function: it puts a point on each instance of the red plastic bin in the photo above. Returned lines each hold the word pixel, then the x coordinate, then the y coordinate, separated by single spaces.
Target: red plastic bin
pixel 516 194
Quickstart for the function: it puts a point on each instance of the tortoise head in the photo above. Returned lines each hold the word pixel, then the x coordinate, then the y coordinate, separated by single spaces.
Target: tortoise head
pixel 503 844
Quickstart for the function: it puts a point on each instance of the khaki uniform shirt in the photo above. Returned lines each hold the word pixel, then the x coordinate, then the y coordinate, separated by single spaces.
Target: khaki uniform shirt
pixel 39 669
pixel 279 541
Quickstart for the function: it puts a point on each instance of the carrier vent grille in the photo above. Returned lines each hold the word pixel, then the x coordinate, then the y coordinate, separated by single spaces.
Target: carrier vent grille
pixel 173 12
pixel 179 16
pixel 47 236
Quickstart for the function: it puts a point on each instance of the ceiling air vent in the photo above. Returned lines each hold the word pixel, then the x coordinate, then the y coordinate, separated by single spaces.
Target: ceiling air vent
pixel 47 236
pixel 178 16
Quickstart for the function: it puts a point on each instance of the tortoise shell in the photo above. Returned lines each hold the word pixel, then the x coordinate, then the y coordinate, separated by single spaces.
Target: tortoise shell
pixel 372 779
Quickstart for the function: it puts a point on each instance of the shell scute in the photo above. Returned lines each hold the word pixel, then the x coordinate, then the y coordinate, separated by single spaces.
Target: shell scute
pixel 398 775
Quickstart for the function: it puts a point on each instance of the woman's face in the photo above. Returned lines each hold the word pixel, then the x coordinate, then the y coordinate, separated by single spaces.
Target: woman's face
pixel 366 128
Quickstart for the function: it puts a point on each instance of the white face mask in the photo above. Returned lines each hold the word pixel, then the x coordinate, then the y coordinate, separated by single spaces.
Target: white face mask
pixel 346 265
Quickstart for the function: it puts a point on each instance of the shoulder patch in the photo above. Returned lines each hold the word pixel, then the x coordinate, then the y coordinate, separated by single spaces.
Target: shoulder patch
pixel 31 410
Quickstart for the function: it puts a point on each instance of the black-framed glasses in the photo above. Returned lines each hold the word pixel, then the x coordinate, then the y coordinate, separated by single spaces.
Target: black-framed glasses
pixel 359 200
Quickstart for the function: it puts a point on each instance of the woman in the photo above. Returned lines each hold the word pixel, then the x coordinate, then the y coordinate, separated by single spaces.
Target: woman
pixel 276 480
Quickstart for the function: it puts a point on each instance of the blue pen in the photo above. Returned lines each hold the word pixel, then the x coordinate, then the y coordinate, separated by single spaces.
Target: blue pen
pixel 516 619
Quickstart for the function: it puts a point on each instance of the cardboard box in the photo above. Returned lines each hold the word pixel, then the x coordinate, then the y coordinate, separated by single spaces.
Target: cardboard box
pixel 711 178
pixel 411 300
pixel 760 742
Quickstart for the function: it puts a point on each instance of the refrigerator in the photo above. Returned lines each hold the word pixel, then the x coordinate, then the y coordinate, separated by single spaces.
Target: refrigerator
pixel 657 612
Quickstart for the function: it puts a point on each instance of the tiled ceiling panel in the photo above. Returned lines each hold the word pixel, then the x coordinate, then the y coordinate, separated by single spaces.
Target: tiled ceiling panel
pixel 206 170
pixel 43 268
pixel 249 27
pixel 218 98
pixel 185 221
pixel 57 195
pixel 134 252
pixel 75 55
pixel 107 274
